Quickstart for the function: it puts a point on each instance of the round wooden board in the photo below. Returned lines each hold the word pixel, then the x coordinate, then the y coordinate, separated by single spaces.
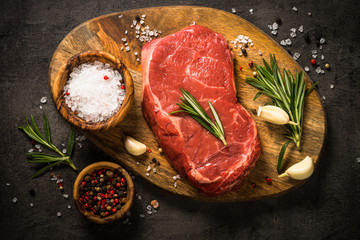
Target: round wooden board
pixel 105 33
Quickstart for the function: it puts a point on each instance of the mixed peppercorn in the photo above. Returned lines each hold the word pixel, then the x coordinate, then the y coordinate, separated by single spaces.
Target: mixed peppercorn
pixel 103 192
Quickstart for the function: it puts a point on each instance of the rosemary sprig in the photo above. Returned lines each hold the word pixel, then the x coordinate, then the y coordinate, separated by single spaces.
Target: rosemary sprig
pixel 192 107
pixel 287 92
pixel 36 157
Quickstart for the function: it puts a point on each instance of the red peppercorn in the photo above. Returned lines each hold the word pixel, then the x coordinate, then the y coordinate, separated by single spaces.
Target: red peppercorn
pixel 112 192
pixel 313 61
pixel 107 214
pixel 95 198
pixel 83 183
pixel 122 180
pixel 253 185
pixel 251 63
pixel 67 93
pixel 122 87
pixel 268 180
pixel 86 198
pixel 149 150
pixel 241 68
pixel 106 77
pixel 102 195
pixel 81 200
pixel 118 185
pixel 116 200
pixel 113 210
pixel 87 205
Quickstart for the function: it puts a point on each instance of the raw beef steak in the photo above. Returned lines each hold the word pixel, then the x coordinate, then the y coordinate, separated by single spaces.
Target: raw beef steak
pixel 199 61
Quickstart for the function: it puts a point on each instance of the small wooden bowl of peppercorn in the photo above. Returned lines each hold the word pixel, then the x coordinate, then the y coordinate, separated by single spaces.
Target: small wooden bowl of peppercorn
pixel 103 192
pixel 93 97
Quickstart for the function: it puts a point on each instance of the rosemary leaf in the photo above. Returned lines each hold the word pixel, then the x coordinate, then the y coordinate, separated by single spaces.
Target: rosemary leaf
pixel 47 129
pixel 44 169
pixel 281 156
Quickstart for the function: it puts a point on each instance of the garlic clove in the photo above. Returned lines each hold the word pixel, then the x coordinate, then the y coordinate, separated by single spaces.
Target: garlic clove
pixel 300 170
pixel 274 115
pixel 133 146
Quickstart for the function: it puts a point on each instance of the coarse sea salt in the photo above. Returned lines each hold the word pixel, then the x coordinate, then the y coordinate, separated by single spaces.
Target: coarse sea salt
pixel 94 91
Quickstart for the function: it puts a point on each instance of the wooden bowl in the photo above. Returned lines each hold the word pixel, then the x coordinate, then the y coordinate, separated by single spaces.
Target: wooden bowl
pixel 63 75
pixel 90 215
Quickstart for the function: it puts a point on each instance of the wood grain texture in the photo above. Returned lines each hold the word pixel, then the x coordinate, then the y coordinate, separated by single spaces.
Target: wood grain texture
pixel 105 33
pixel 63 75
pixel 129 188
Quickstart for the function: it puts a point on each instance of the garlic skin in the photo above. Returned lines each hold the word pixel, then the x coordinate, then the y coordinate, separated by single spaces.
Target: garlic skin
pixel 274 115
pixel 300 170
pixel 133 146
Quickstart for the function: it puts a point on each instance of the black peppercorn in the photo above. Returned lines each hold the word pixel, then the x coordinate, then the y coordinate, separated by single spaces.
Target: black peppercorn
pixel 278 21
pixel 137 18
pixel 243 50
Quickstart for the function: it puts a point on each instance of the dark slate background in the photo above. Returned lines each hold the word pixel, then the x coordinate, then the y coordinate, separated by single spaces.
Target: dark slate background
pixel 325 207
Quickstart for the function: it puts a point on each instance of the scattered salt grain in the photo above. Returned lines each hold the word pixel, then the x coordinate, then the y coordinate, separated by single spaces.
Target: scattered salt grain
pixel 148 207
pixel 126 32
pixel 43 100
pixel 233 10
pixel 40 107
pixel 149 212
pixel 139 197
pixel 8 184
pixel 314 55
pixel 321 47
pixel 120 16
pixel 332 86
pixel 127 221
pixel 270 27
pixel 296 56
pixel 141 215
pixel 251 11
pixel 128 214
pixel 31 150
pixel 58 214
pixel 358 160
pixel 260 53
pixel 64 150
pixel 176 177
pixel 37 146
pixel 307 69
pixel 318 70
pixel 137 163
pixel 69 206
pixel 295 9
pixel 148 168
pixel 14 200
pixel 293 34
pixel 138 59
pixel 275 26
pixel 175 184
pixel 147 174
pixel 322 40
pixel 323 98
pixel 283 43
pixel 309 13
pixel 31 205
pixel 288 41
pixel 293 30
pixel 322 57
pixel 274 32
pixel 314 52
pixel 154 170
pixel 66 196
pixel 80 145
pixel 301 28
pixel 127 48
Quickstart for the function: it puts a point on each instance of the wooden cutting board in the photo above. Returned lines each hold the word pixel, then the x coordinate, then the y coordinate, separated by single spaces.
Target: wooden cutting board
pixel 106 32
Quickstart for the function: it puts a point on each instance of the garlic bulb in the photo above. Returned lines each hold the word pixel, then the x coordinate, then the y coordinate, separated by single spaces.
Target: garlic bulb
pixel 300 170
pixel 133 146
pixel 274 115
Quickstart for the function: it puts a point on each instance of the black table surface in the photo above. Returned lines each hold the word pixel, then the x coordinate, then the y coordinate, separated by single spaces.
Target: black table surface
pixel 325 207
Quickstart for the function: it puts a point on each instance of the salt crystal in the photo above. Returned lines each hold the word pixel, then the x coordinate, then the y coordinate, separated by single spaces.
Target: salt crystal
pixel 292 34
pixel 127 221
pixel 309 13
pixel 251 11
pixel 126 32
pixel 322 57
pixel 275 26
pixel 283 43
pixel 31 150
pixel 323 97
pixel 43 100
pixel 274 32
pixel 8 184
pixel 314 52
pixel 64 151
pixel 123 39
pixel 149 212
pixel 288 41
pixel 148 207
pixel 332 86
pixel 40 107
pixel 154 170
pixel 128 214
pixel 127 48
pixel 137 163
pixel 175 184
pixel 141 215
pixel 322 71
pixel 31 204
pixel 321 47
pixel 14 200
pixel 260 53
pixel 314 56
pixel 147 174
pixel 139 197
pixel 233 10
pixel 80 145
pixel 296 56
pixel 148 168
pixel 126 44
pixel 134 75
pixel 307 69
pixel 133 177
pixel 270 27
pixel 39 150
pixel 37 146
pixel 295 9
pixel 120 16
pixel 301 28
pixel 358 159
pixel 69 206
pixel 293 30
pixel 142 22
pixel 58 214
pixel 63 144
pixel 66 196
pixel 318 70
pixel 143 16
pixel 322 40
